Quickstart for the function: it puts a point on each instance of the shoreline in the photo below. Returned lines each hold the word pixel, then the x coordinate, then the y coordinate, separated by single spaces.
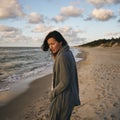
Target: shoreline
pixel 17 89
pixel 13 110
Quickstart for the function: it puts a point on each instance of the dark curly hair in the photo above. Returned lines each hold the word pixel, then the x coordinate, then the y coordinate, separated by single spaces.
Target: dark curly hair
pixel 57 36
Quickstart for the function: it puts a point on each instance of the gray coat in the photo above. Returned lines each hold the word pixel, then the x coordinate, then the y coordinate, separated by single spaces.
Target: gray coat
pixel 65 94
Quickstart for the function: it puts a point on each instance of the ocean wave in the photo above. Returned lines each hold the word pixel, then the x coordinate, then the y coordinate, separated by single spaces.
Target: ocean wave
pixel 21 64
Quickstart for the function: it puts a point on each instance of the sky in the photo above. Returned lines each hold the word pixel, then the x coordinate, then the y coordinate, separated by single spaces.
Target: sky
pixel 27 22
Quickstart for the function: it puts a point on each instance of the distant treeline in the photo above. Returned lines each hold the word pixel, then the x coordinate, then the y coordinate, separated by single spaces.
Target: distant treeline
pixel 113 42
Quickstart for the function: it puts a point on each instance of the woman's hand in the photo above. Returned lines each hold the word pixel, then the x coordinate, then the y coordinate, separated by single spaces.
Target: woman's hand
pixel 52 95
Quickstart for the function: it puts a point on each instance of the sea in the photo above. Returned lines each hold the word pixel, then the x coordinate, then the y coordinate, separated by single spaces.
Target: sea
pixel 24 64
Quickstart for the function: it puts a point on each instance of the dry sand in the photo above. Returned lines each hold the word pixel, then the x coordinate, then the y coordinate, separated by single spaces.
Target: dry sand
pixel 99 83
pixel 99 78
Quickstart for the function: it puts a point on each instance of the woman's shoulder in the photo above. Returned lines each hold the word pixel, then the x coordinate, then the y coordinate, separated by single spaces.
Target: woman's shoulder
pixel 66 55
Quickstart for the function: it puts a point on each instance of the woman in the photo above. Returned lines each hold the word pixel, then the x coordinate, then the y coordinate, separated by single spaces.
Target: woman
pixel 65 93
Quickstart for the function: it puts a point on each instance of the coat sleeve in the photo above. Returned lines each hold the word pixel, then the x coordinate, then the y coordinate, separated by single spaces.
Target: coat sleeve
pixel 64 75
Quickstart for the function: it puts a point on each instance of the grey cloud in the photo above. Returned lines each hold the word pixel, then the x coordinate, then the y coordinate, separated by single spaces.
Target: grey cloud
pixel 102 14
pixel 113 34
pixel 67 12
pixel 4 28
pixel 71 11
pixel 35 18
pixel 59 18
pixel 119 20
pixel 99 3
pixel 88 18
pixel 10 9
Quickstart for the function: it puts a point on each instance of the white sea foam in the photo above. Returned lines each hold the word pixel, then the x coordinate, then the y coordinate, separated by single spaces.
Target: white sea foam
pixel 76 51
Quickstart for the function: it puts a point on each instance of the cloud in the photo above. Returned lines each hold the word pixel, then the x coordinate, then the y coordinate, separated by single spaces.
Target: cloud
pixel 35 18
pixel 4 28
pixel 8 32
pixel 11 36
pixel 71 11
pixel 88 18
pixel 10 9
pixel 72 35
pixel 77 2
pixel 102 14
pixel 99 3
pixel 67 12
pixel 119 20
pixel 17 40
pixel 113 34
pixel 59 18
pixel 42 28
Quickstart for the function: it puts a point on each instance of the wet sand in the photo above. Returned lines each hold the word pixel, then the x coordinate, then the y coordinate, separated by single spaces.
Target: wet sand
pixel 17 108
pixel 99 83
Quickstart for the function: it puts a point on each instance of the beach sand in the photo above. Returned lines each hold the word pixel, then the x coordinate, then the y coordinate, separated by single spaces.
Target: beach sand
pixel 99 83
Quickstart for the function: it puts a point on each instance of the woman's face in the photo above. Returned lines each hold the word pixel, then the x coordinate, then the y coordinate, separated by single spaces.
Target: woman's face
pixel 54 45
